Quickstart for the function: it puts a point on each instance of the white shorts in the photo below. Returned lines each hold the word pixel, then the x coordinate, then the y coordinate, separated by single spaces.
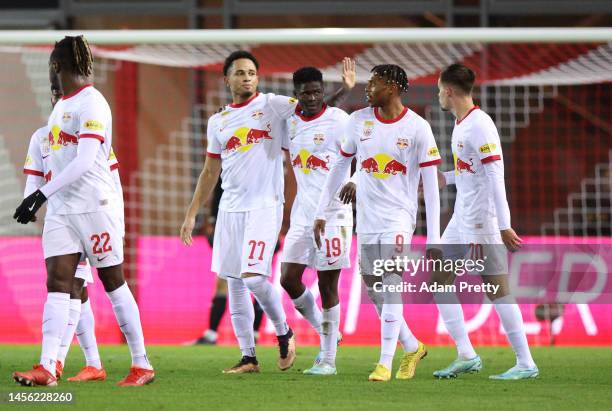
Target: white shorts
pixel 83 272
pixel 373 246
pixel 96 236
pixel 245 241
pixel 300 247
pixel 472 246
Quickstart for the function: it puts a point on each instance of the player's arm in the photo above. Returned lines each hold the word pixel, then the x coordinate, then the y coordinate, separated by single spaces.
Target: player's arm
pixel 429 158
pixel 206 181
pixel 87 150
pixel 334 180
pixel 489 150
pixel 206 184
pixel 348 82
pixel 496 183
pixel 446 178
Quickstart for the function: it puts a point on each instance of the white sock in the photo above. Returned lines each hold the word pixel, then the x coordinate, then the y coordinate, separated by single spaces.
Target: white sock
pixel 307 306
pixel 242 315
pixel 329 334
pixel 452 315
pixel 128 317
pixel 406 338
pixel 512 321
pixel 55 321
pixel 86 335
pixel 390 324
pixel 269 299
pixel 68 335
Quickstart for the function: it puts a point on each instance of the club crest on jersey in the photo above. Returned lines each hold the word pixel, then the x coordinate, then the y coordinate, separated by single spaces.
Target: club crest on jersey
pixel 306 162
pixel 66 117
pixel 257 114
pixel 244 138
pixel 368 127
pixel 402 143
pixel 318 138
pixel 382 166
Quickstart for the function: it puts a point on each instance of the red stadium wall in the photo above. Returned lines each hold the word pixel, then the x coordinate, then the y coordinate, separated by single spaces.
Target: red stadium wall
pixel 176 286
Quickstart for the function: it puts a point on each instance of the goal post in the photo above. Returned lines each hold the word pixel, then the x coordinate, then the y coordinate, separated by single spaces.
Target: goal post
pixel 548 90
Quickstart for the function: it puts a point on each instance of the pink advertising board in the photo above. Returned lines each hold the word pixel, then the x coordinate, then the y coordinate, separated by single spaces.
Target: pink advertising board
pixel 175 287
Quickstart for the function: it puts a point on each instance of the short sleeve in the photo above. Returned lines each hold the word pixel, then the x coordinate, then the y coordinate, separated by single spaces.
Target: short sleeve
pixel 33 162
pixel 214 145
pixel 282 106
pixel 348 147
pixel 486 141
pixel 94 120
pixel 429 154
pixel 113 162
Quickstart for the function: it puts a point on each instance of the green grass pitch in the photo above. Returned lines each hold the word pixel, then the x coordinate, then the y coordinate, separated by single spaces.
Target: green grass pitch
pixel 190 378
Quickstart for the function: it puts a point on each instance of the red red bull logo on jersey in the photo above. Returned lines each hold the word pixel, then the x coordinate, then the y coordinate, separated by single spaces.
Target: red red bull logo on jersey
pixel 243 139
pixel 306 162
pixel 463 166
pixel 58 138
pixel 382 166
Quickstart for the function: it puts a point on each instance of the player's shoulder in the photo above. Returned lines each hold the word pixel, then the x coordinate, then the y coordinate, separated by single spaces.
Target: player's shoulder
pixel 415 119
pixel 91 96
pixel 337 113
pixel 40 133
pixel 366 113
pixel 482 118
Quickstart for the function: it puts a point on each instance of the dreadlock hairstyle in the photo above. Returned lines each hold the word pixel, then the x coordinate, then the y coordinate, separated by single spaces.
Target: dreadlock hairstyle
pixel 393 74
pixel 75 54
pixel 306 75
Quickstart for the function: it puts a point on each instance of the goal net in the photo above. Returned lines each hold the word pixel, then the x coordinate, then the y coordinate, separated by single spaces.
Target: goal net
pixel 548 92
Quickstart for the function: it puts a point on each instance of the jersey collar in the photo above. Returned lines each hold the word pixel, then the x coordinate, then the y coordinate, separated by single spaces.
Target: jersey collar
pixel 298 112
pixel 393 120
pixel 457 122
pixel 75 92
pixel 244 103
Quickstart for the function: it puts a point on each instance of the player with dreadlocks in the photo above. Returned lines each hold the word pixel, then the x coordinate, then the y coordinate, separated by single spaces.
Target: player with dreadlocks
pixel 394 147
pixel 87 212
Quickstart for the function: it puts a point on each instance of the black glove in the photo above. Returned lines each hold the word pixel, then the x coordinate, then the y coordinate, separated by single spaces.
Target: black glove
pixel 29 206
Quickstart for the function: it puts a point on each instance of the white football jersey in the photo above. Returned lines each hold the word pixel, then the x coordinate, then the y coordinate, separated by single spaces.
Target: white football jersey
pixel 314 144
pixel 475 142
pixel 82 114
pixel 390 154
pixel 248 138
pixel 36 165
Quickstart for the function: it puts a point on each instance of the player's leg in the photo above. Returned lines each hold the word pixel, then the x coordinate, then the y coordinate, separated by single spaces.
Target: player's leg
pixel 512 320
pixel 242 315
pixel 260 238
pixel 56 313
pixel 102 237
pixel 73 319
pixel 86 335
pixel 450 309
pixel 259 313
pixel 62 250
pixel 298 253
pixel 217 310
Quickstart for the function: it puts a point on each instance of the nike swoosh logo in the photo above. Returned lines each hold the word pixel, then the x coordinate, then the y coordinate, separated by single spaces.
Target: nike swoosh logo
pixel 100 259
pixel 332 262
pixel 31 208
pixel 387 321
pixel 252 264
pixel 365 139
pixel 46 156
